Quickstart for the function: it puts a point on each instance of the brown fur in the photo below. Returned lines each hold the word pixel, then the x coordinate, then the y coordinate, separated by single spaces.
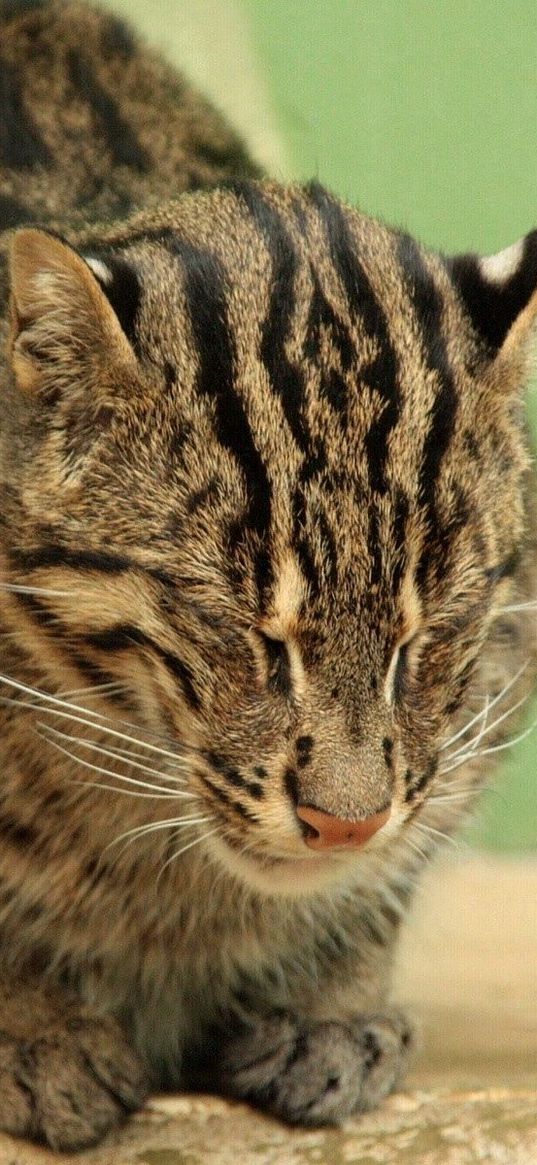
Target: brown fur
pixel 204 447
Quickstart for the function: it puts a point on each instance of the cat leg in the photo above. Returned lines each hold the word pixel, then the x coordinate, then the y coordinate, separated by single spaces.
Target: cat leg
pixel 66 1076
pixel 312 1073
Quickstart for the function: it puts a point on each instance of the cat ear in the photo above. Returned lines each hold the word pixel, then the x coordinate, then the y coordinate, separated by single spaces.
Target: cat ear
pixel 500 292
pixel 64 331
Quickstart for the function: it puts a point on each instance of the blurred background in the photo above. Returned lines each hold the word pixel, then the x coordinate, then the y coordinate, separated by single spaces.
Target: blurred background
pixel 421 113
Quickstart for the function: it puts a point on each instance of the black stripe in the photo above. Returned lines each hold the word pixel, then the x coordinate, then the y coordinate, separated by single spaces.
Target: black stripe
pixel 49 621
pixel 124 147
pixel 55 555
pixel 206 296
pixel 182 673
pixel 427 304
pixel 323 319
pixel 228 801
pixel 227 154
pixel 285 378
pixel 12 213
pixel 117 39
pixel 232 775
pixel 15 832
pixel 505 569
pixel 400 514
pixel 126 635
pixel 381 376
pixel 21 145
pixel 95 674
pixel 300 541
pixel 415 789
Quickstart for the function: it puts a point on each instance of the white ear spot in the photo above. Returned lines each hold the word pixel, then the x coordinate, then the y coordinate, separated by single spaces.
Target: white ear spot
pixel 100 270
pixel 501 267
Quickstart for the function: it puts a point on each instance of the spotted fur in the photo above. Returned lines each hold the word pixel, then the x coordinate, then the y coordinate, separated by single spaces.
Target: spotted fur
pixel 266 542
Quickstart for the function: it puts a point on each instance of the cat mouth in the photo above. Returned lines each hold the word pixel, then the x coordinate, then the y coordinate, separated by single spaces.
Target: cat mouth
pixel 292 875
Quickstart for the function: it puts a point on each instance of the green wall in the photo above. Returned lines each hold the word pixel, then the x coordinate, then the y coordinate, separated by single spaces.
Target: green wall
pixel 422 111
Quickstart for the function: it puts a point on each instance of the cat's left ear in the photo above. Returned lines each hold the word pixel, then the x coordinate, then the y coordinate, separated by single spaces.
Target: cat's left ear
pixel 65 331
pixel 499 293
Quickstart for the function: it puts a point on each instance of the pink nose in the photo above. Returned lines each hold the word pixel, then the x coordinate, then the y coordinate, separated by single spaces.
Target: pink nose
pixel 334 832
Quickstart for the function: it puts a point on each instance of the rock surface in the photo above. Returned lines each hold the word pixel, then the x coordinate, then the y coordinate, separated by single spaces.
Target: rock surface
pixel 468 968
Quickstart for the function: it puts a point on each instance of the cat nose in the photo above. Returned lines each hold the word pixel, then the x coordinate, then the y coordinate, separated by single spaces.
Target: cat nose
pixel 330 832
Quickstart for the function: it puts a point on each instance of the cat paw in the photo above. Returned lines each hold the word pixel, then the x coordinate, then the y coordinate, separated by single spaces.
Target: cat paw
pixel 317 1074
pixel 71 1085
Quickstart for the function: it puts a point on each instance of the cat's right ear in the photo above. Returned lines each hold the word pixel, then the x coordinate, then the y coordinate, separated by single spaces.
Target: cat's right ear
pixel 499 293
pixel 65 335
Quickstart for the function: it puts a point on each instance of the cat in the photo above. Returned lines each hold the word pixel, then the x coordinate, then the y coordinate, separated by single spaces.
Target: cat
pixel 267 579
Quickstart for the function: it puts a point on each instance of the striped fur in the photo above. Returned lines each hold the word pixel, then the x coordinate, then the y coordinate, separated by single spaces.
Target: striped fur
pixel 267 513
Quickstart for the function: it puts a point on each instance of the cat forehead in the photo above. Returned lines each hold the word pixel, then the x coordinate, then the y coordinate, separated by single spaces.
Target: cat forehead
pixel 254 253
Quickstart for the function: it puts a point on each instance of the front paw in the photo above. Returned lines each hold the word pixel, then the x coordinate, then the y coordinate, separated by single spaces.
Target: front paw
pixel 317 1074
pixel 70 1085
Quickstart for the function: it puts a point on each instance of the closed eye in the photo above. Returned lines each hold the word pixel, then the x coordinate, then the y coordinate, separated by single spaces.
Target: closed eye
pixel 397 674
pixel 278 664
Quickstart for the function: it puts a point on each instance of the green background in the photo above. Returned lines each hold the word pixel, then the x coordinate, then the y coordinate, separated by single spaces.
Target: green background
pixel 423 112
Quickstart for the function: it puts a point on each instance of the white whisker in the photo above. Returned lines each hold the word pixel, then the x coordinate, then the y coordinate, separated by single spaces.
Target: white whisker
pixel 429 829
pixel 18 589
pixel 490 704
pixel 472 745
pixel 114 754
pixel 57 710
pixel 123 792
pixel 158 790
pixel 158 827
pixel 178 853
pixel 480 753
pixel 509 743
pixel 514 607
pixel 56 701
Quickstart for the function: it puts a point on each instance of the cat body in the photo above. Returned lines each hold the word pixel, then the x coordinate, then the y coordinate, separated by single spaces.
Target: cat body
pixel 267 559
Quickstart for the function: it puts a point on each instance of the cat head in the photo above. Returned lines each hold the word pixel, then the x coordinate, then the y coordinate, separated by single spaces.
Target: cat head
pixel 266 458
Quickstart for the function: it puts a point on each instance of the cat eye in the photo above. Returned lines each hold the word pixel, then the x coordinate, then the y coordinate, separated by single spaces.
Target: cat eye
pixel 398 670
pixel 278 664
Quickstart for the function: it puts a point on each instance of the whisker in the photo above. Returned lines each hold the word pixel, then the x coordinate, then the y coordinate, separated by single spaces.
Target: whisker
pixel 19 589
pixel 477 755
pixel 57 701
pixel 513 607
pixel 435 832
pixel 102 727
pixel 177 793
pixel 424 854
pixel 472 744
pixel 462 760
pixel 157 827
pixel 123 792
pixel 178 853
pixel 115 754
pixel 491 704
pixel 509 743
pixel 96 689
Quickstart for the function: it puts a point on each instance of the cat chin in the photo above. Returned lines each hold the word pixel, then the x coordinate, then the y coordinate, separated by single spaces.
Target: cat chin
pixel 287 877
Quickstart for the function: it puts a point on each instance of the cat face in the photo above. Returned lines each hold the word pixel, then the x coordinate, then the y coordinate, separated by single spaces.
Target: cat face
pixel 270 457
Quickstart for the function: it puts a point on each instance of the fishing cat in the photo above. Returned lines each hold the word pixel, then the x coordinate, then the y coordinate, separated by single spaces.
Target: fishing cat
pixel 267 562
